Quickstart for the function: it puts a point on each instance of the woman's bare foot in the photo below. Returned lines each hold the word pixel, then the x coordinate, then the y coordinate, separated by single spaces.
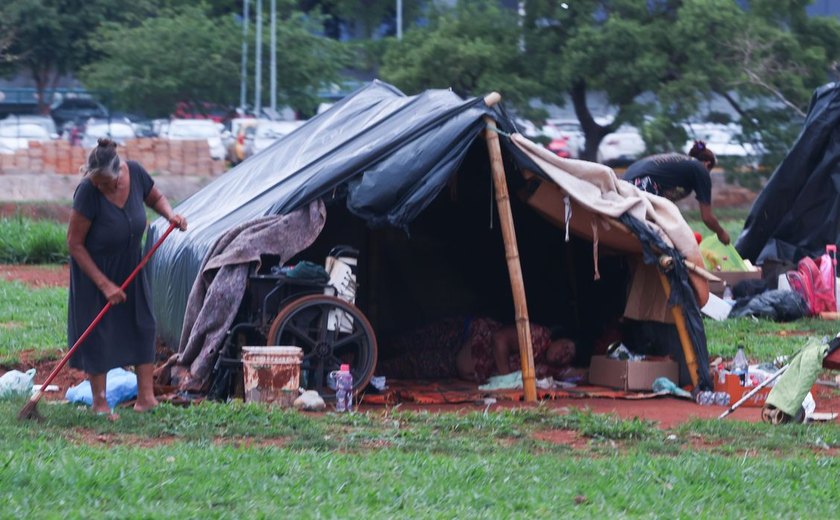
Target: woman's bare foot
pixel 145 405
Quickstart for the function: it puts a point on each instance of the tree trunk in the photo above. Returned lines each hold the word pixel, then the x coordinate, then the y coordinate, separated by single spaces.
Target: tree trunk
pixel 592 131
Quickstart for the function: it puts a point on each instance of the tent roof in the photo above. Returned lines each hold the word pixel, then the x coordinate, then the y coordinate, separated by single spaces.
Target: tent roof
pixel 390 155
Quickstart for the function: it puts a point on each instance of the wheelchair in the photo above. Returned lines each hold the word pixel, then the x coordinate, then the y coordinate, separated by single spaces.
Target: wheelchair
pixel 317 315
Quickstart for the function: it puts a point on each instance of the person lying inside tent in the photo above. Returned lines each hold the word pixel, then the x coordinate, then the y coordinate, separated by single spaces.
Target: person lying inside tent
pixel 674 176
pixel 472 349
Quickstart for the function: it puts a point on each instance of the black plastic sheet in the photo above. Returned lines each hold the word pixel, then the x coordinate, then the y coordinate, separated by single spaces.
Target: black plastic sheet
pixel 796 214
pixel 388 153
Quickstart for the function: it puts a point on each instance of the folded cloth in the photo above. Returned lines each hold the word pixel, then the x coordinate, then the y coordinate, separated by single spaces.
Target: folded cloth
pixel 793 386
pixel 513 381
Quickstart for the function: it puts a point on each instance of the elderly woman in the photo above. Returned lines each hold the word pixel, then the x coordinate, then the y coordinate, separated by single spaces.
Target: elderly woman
pixel 104 237
pixel 472 349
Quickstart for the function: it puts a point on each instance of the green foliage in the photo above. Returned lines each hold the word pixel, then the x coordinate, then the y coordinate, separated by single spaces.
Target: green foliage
pixel 472 48
pixel 51 38
pixel 25 241
pixel 31 320
pixel 178 56
pixel 185 54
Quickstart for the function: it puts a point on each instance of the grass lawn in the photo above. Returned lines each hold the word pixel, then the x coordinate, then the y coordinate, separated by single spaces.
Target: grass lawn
pixel 230 460
pixel 240 461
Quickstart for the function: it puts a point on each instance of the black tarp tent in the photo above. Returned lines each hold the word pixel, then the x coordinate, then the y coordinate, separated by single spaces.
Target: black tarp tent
pixel 797 212
pixel 386 157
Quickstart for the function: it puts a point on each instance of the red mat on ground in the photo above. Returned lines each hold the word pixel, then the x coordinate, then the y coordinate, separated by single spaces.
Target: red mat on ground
pixel 452 391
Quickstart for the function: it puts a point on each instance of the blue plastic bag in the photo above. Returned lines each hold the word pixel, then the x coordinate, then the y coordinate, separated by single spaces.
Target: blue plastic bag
pixel 120 386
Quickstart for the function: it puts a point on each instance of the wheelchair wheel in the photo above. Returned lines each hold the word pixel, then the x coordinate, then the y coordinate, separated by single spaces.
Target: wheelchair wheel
pixel 331 332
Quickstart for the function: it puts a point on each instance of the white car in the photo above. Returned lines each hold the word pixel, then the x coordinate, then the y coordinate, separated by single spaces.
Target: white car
pixel 117 131
pixel 18 136
pixel 195 130
pixel 621 147
pixel 265 133
pixel 722 140
pixel 44 121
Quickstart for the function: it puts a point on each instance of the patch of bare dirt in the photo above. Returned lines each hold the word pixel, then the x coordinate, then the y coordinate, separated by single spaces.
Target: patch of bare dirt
pixel 568 438
pixel 37 275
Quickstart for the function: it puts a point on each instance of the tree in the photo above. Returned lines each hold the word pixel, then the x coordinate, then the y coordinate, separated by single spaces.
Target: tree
pixel 186 55
pixel 362 18
pixel 50 38
pixel 471 48
pixel 681 51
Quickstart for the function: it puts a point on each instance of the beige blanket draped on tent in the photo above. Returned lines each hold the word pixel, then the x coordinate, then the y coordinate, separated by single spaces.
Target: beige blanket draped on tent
pixel 591 199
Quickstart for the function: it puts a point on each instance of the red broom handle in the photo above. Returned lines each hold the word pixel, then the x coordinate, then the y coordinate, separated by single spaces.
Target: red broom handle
pixel 104 310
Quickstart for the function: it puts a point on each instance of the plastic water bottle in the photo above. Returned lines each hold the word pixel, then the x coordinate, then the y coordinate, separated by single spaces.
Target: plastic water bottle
pixel 741 366
pixel 708 398
pixel 727 295
pixel 344 390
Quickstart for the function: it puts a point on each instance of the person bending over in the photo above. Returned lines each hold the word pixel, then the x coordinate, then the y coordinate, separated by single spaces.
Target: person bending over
pixel 675 175
pixel 104 237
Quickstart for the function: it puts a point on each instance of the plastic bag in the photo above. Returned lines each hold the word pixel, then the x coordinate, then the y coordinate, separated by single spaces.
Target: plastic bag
pixel 16 383
pixel 120 386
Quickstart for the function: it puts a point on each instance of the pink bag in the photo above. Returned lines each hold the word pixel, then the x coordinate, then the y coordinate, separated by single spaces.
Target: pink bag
pixel 801 283
pixel 824 288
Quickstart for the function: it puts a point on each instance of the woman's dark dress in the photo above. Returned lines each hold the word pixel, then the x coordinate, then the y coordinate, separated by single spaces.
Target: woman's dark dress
pixel 126 334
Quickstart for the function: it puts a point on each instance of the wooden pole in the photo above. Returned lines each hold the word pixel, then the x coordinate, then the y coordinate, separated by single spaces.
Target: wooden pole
pixel 523 328
pixel 682 330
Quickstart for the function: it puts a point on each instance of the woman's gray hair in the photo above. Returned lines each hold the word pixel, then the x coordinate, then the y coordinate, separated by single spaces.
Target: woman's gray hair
pixel 103 160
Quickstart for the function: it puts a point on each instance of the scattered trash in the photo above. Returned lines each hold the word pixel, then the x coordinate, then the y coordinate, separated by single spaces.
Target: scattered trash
pixel 707 398
pixel 16 383
pixel 310 401
pixel 378 382
pixel 621 352
pixel 665 385
pixel 49 388
pixel 120 386
pixel 343 389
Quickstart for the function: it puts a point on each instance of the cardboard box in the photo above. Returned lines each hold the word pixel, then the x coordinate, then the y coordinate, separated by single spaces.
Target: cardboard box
pixel 731 278
pixel 631 375
pixel 732 386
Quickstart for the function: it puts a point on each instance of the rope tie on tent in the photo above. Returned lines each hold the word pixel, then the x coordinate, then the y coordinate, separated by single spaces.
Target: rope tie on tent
pixel 567 204
pixel 594 225
pixel 496 129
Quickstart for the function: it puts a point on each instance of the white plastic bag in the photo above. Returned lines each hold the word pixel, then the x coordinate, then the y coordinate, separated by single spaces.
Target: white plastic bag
pixel 15 383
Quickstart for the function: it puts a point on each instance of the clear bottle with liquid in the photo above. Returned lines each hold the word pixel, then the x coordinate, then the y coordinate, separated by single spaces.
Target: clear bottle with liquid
pixel 741 366
pixel 343 389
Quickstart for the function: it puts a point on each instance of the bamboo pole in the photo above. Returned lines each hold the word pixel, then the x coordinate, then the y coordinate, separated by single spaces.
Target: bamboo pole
pixel 682 330
pixel 523 328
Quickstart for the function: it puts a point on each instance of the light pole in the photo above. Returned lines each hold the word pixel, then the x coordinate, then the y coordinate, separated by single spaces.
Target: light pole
pixel 243 84
pixel 399 19
pixel 273 95
pixel 258 62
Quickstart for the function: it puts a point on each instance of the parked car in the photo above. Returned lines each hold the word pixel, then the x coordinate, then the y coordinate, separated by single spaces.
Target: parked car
pixel 723 140
pixel 72 109
pixel 568 134
pixel 621 147
pixel 117 131
pixel 44 121
pixel 15 137
pixel 266 133
pixel 197 129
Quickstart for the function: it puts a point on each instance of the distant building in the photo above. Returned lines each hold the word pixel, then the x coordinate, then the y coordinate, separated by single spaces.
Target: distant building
pixel 824 8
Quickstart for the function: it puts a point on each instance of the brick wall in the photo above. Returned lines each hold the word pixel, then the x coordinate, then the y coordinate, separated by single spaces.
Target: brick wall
pixel 156 155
